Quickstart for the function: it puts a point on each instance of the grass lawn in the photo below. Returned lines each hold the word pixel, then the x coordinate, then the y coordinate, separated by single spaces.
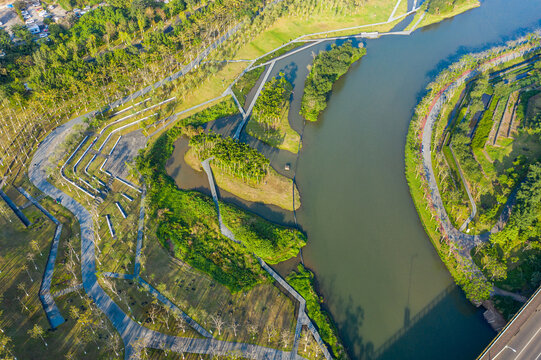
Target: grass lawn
pixel 275 189
pixel 430 19
pixel 262 310
pixel 145 309
pixel 118 255
pixel 288 28
pixel 283 137
pixel 308 346
pixel 16 320
pixel 211 87
pixel 243 86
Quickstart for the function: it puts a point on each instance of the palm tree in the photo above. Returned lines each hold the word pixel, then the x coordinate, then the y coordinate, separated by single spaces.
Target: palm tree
pixel 25 268
pixel 21 286
pixel 35 246
pixel 37 331
pixel 31 257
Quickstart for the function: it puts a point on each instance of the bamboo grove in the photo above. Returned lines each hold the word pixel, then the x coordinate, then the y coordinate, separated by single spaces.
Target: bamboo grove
pixel 232 156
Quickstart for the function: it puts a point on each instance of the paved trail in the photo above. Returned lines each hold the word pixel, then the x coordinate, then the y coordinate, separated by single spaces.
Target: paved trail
pixel 51 310
pixel 129 330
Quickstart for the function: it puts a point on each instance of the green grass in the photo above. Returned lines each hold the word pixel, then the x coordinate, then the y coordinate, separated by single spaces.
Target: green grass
pixel 201 297
pixel 303 282
pixel 188 223
pixel 290 27
pixel 484 126
pixel 270 242
pixel 279 52
pixel 430 19
pixel 244 84
pixel 15 320
pixel 283 137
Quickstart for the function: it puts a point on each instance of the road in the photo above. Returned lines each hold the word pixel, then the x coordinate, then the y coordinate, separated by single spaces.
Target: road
pixel 521 338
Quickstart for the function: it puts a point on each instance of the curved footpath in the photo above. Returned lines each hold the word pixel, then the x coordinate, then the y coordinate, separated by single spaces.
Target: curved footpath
pixel 464 241
pixel 130 331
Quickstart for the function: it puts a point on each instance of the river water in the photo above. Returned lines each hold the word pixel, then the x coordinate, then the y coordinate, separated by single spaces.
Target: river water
pixel 382 281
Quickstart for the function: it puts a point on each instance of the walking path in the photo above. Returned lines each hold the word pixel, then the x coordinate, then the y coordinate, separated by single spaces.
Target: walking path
pixel 140 232
pixel 68 290
pixel 467 187
pixel 47 301
pixel 15 209
pixel 302 318
pixel 129 330
pixel 224 230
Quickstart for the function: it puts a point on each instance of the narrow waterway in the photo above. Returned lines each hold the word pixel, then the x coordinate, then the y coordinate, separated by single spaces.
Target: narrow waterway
pixel 384 284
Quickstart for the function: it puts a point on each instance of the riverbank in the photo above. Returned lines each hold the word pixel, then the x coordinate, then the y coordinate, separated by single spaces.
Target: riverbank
pixel 274 189
pixel 452 245
pixel 436 16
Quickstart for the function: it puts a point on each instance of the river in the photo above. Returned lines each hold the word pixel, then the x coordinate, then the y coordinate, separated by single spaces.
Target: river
pixel 382 281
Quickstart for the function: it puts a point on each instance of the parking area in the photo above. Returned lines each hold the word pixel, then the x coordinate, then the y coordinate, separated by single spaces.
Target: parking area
pixel 33 14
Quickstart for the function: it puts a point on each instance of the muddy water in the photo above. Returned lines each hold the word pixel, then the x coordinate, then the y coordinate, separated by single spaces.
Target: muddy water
pixel 389 293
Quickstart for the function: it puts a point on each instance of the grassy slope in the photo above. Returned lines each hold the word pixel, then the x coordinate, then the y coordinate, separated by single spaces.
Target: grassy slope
pixel 276 189
pixel 262 237
pixel 289 28
pixel 243 86
pixel 14 246
pixel 430 19
pixel 284 137
pixel 200 296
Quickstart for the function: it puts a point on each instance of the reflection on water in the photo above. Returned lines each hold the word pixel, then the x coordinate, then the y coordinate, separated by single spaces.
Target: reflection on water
pixel 381 279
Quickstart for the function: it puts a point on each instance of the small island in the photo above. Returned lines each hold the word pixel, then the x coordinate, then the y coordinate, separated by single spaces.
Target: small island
pixel 327 68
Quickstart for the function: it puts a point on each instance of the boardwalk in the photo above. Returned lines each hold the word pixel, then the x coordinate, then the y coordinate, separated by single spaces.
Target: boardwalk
pixel 302 318
pixel 49 306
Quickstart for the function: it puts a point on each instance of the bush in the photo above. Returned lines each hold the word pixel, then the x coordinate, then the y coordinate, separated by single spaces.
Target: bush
pixel 303 282
pixel 188 225
pixel 328 67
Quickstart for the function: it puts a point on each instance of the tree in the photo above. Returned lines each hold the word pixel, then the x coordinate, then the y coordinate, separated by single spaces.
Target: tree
pixel 271 332
pixel 35 246
pixel 285 337
pixel 31 257
pixel 21 286
pixel 153 312
pixel 25 268
pixel 37 332
pixel 306 339
pixel 218 323
pixel 234 326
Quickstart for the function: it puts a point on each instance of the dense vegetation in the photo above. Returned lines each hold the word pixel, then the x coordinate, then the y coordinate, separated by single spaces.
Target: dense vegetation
pixel 516 250
pixel 271 102
pixel 303 282
pixel 442 6
pixel 234 157
pixel 243 86
pixel 328 67
pixel 466 274
pixel 188 224
pixel 270 117
pixel 268 241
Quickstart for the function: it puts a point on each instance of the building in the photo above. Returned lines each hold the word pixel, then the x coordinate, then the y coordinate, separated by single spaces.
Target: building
pixel 34 28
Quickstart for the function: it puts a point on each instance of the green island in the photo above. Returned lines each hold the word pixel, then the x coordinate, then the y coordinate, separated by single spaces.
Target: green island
pixel 269 121
pixel 483 114
pixel 328 67
pixel 96 239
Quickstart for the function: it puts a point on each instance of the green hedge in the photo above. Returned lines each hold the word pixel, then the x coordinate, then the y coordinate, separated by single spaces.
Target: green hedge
pixel 303 282
pixel 188 224
pixel 328 67
pixel 270 242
